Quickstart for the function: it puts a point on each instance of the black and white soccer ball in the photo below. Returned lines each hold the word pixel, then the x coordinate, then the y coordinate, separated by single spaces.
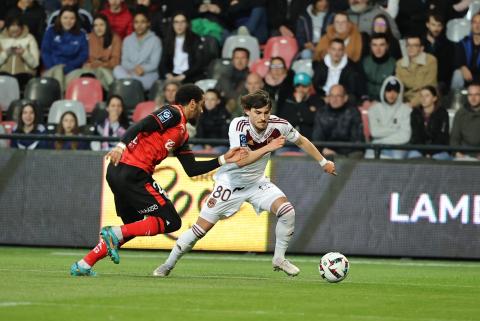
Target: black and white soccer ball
pixel 333 267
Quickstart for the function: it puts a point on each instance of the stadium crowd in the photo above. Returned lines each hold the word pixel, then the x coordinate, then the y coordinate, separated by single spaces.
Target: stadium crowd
pixel 339 71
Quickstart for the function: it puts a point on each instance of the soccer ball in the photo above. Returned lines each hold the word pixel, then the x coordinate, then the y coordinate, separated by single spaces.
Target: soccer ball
pixel 333 267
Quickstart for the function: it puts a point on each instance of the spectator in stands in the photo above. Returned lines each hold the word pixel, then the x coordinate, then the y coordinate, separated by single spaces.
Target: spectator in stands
pixel 251 14
pixel 182 57
pixel 32 14
pixel 253 83
pixel 19 54
pixel 84 17
pixel 64 46
pixel 378 65
pixel 380 25
pixel 283 16
pixel 311 26
pixel 338 121
pixel 466 124
pixel 412 15
pixel 362 12
pixel 299 107
pixel 232 81
pixel 29 123
pixel 467 57
pixel 278 82
pixel 336 68
pixel 416 70
pixel 211 19
pixel 389 120
pixel 104 48
pixel 439 46
pixel 158 15
pixel 68 126
pixel 430 125
pixel 141 52
pixel 167 96
pixel 119 17
pixel 342 29
pixel 115 123
pixel 214 121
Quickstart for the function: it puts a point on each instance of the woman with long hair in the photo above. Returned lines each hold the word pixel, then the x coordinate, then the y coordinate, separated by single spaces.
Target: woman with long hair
pixel 28 123
pixel 68 126
pixel 182 54
pixel 105 49
pixel 430 124
pixel 64 46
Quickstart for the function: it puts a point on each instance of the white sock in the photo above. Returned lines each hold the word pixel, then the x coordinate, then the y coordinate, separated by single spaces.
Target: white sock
pixel 118 233
pixel 184 244
pixel 284 229
pixel 83 264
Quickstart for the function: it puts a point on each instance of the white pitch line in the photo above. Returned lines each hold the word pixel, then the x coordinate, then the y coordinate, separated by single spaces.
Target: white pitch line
pixel 220 257
pixel 13 304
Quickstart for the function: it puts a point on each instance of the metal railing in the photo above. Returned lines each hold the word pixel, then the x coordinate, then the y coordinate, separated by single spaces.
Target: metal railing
pixel 377 148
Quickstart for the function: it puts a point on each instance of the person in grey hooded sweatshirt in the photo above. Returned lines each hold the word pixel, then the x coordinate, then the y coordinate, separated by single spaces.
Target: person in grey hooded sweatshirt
pixel 389 119
pixel 141 52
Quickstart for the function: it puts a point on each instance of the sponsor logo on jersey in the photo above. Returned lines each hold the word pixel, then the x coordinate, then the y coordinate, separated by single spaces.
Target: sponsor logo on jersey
pixel 211 202
pixel 169 145
pixel 165 115
pixel 149 209
pixel 243 140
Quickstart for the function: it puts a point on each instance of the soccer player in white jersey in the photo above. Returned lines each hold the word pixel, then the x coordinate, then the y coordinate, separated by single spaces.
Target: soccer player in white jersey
pixel 245 182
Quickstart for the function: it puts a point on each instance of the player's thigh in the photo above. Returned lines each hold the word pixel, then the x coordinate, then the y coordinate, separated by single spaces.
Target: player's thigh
pixel 223 202
pixel 267 193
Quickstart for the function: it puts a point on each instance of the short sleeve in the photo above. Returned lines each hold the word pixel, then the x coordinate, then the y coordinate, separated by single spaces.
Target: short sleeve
pixel 290 133
pixel 235 135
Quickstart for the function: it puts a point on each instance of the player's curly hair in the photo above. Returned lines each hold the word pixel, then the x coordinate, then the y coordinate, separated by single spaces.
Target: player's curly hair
pixel 188 92
pixel 257 99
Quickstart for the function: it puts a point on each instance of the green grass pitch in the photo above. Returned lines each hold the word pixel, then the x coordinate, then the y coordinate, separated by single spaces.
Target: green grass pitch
pixel 35 285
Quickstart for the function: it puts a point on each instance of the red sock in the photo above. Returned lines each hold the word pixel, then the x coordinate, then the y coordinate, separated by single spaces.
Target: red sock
pixel 150 226
pixel 95 255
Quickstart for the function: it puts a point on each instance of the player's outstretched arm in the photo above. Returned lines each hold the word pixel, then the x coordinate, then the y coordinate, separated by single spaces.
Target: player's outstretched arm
pixel 257 154
pixel 307 146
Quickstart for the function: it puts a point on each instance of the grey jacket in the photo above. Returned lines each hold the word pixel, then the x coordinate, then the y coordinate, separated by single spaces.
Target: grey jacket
pixel 146 52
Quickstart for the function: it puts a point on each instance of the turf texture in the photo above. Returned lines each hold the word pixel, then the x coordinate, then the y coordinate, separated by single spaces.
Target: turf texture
pixel 35 285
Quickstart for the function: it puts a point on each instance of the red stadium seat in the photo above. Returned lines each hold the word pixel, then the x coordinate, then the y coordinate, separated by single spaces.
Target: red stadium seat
pixel 9 125
pixel 366 129
pixel 142 110
pixel 285 47
pixel 86 90
pixel 260 67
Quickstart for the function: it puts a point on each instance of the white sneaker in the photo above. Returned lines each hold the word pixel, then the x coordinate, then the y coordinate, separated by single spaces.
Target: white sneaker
pixel 162 271
pixel 285 266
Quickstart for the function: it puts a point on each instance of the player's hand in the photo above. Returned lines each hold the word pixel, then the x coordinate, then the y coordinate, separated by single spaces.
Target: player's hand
pixel 330 168
pixel 276 143
pixel 115 155
pixel 235 154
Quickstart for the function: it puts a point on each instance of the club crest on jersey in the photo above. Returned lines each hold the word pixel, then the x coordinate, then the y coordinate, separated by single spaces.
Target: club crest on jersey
pixel 165 115
pixel 169 145
pixel 243 140
pixel 211 202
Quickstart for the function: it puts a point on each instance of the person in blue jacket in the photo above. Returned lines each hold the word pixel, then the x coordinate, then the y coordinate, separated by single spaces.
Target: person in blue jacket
pixel 64 46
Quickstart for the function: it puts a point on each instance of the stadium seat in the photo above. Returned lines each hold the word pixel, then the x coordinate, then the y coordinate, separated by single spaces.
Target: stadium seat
pixel 260 67
pixel 206 84
pixel 241 41
pixel 43 90
pixel 86 90
pixel 217 67
pixel 303 65
pixel 61 106
pixel 9 125
pixel 9 91
pixel 366 129
pixel 457 29
pixel 142 110
pixel 131 90
pixel 285 47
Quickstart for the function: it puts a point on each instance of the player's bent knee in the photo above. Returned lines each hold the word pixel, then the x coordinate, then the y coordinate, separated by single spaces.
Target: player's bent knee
pixel 173 225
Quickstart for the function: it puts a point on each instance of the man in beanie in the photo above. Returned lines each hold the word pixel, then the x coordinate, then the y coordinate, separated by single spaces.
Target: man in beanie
pixel 389 119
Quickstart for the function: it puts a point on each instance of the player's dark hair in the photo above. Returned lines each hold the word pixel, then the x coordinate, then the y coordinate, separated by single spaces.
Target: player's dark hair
pixel 257 99
pixel 188 92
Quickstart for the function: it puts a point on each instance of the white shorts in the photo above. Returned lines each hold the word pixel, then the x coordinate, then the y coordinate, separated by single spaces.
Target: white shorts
pixel 226 200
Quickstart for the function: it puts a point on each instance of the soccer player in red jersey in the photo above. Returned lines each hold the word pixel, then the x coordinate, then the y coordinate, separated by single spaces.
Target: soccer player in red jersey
pixel 141 203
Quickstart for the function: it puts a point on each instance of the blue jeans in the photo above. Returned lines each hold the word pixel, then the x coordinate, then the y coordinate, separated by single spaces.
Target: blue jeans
pixel 436 156
pixel 387 154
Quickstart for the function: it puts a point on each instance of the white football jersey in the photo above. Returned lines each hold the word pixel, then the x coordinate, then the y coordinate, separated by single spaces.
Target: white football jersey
pixel 242 133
